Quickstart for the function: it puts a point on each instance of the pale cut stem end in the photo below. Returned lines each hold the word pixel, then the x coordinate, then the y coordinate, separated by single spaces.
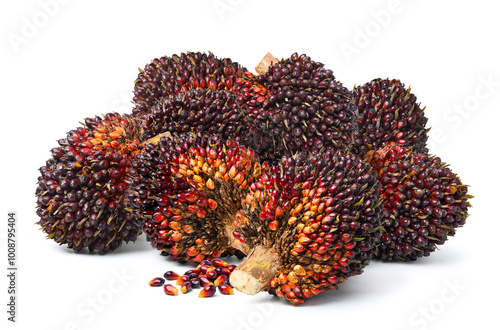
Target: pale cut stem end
pixel 256 271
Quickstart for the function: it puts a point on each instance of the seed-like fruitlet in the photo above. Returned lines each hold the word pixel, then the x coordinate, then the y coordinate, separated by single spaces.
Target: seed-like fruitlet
pixel 171 276
pixel 326 206
pixel 186 287
pixel 207 291
pixel 157 281
pixel 388 112
pixel 81 191
pixel 221 279
pixel 170 290
pixel 219 263
pixel 226 289
pixel 182 279
pixel 204 281
pixel 195 282
pixel 423 202
pixel 211 274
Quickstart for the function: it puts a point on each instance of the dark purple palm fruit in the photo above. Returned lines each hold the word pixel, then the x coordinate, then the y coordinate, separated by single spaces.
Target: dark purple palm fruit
pixel 186 189
pixel 297 105
pixel 311 221
pixel 388 112
pixel 81 190
pixel 200 110
pixel 424 202
pixel 169 76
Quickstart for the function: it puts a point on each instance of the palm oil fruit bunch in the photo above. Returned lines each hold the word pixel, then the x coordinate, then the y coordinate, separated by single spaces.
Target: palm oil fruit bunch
pixel 388 112
pixel 80 193
pixel 311 222
pixel 210 274
pixel 199 110
pixel 187 189
pixel 423 202
pixel 297 105
pixel 169 76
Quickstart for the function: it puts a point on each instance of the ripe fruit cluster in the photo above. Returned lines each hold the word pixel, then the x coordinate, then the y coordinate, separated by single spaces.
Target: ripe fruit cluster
pixel 80 193
pixel 307 179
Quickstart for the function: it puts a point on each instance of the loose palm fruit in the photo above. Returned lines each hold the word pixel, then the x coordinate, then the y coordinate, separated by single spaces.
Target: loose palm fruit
pixel 423 202
pixel 311 221
pixel 297 105
pixel 388 112
pixel 157 281
pixel 187 189
pixel 170 290
pixel 207 291
pixel 226 289
pixel 171 276
pixel 186 287
pixel 81 190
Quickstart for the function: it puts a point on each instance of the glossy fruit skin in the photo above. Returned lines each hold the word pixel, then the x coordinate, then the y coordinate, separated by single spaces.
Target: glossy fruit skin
pixel 388 113
pixel 170 75
pixel 423 201
pixel 320 213
pixel 207 291
pixel 81 189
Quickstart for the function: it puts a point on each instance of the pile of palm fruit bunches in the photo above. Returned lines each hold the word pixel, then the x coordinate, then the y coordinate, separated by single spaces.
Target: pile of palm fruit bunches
pixel 290 170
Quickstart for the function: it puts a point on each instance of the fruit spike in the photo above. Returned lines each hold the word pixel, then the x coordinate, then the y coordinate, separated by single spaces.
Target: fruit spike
pixel 388 112
pixel 168 76
pixel 187 189
pixel 200 110
pixel 423 202
pixel 326 221
pixel 297 105
pixel 80 193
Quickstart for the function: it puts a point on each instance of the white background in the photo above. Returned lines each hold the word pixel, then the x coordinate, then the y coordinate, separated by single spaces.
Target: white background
pixel 66 61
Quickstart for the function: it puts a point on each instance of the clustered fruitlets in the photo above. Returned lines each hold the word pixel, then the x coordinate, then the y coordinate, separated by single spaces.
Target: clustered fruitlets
pixel 388 112
pixel 187 189
pixel 169 76
pixel 312 221
pixel 298 105
pixel 80 193
pixel 423 200
pixel 306 179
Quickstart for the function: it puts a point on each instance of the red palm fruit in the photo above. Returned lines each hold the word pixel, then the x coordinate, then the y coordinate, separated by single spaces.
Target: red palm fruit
pixel 171 276
pixel 327 199
pixel 81 191
pixel 186 287
pixel 297 105
pixel 207 291
pixel 388 112
pixel 170 290
pixel 424 202
pixel 167 76
pixel 197 166
pixel 221 279
pixel 226 289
